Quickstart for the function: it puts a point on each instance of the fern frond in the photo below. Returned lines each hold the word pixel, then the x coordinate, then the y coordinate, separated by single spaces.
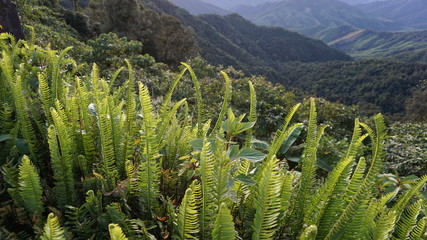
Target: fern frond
pixel 46 95
pixel 309 233
pixel 407 221
pixel 418 232
pixel 224 226
pixel 167 99
pixel 318 204
pixel 407 196
pixel 149 167
pixel 86 121
pixel 308 166
pixel 207 187
pixel 200 114
pixel 131 174
pixel 364 190
pixel 188 219
pixel 29 187
pixel 167 118
pixel 62 168
pixel 116 232
pixel 384 226
pixel 115 75
pixel 52 229
pixel 225 104
pixel 107 142
pixel 56 63
pixel 22 110
pixel 267 202
pixel 252 114
pixel 283 133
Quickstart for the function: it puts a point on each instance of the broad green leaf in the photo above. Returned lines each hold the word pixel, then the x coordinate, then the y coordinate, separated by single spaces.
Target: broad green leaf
pixel 22 146
pixel 256 143
pixel 233 152
pixel 252 155
pixel 290 139
pixel 197 144
pixel 4 137
pixel 245 179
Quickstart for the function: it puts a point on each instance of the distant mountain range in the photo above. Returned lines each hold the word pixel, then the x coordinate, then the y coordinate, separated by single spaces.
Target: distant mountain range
pixel 410 13
pixel 230 4
pixel 354 2
pixel 197 7
pixel 357 30
pixel 300 62
pixel 312 16
pixel 232 40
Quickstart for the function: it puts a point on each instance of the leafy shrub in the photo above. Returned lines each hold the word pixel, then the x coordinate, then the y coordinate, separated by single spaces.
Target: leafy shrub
pixel 406 149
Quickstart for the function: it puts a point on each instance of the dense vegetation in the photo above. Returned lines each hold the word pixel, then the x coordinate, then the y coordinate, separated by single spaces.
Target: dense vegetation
pixel 370 44
pixel 86 157
pixel 374 85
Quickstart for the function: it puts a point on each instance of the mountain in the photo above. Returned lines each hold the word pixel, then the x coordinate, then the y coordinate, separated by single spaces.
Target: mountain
pixel 197 7
pixel 299 62
pixel 361 43
pixel 312 16
pixel 229 4
pixel 232 40
pixel 355 2
pixel 412 13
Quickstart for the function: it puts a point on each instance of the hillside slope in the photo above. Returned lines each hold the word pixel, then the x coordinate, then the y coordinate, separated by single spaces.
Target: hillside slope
pixel 312 16
pixel 233 41
pixel 412 13
pixel 375 85
pixel 371 44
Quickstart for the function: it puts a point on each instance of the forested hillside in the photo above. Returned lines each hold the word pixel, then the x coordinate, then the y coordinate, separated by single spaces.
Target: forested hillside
pixel 232 40
pixel 374 85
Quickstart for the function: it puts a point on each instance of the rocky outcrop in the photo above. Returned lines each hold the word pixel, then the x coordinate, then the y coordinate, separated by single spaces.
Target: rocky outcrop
pixel 9 19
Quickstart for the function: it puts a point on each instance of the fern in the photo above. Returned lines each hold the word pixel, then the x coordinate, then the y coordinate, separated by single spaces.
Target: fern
pixel 384 226
pixel 226 102
pixel 149 167
pixel 207 164
pixel 418 232
pixel 267 202
pixel 61 164
pixel 363 191
pixel 167 99
pixel 54 69
pixel 29 187
pixel 252 113
pixel 188 222
pixel 318 204
pixel 308 167
pixel 116 232
pixel 224 226
pixel 107 142
pixel 52 229
pixel 309 233
pixel 407 221
pixel 199 99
